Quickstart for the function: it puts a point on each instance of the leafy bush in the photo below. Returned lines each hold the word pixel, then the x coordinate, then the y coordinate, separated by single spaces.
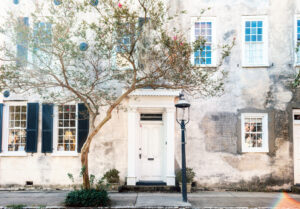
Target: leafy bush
pixel 112 176
pixel 87 198
pixel 20 206
pixel 96 196
pixel 190 174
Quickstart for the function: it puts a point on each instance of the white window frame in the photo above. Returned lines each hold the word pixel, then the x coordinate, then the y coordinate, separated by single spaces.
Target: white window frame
pixel 296 62
pixel 265 137
pixel 55 133
pixel 264 19
pixel 213 43
pixel 5 131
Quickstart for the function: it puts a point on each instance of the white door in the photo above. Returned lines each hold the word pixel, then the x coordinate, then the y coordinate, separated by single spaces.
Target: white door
pixel 296 143
pixel 150 151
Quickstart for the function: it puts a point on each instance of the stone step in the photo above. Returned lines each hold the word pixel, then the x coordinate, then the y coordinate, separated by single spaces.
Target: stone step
pixel 296 189
pixel 149 188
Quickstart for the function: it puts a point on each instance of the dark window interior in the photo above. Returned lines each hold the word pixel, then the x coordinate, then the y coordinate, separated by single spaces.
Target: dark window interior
pixel 151 117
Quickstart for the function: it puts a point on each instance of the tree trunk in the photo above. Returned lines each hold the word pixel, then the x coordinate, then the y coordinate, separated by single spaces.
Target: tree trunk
pixel 93 131
pixel 85 167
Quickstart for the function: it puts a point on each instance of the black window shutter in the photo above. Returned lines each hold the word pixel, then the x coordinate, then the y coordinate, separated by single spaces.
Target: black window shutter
pixel 1 119
pixel 82 126
pixel 47 128
pixel 32 127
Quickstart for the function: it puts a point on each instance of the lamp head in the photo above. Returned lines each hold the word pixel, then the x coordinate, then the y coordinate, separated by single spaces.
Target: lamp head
pixel 182 103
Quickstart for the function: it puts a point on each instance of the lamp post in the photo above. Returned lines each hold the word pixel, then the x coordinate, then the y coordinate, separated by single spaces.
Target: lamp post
pixel 182 118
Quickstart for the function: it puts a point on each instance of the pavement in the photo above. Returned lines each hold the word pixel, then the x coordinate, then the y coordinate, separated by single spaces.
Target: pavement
pixel 159 200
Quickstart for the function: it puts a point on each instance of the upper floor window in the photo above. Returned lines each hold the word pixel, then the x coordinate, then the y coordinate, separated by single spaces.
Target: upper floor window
pixel 42 35
pixel 22 41
pixel 254 132
pixel 126 35
pixel 297 39
pixel 203 29
pixel 255 41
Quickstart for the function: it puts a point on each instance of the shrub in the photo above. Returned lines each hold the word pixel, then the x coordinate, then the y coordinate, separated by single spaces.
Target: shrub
pixel 87 198
pixel 112 176
pixel 190 174
pixel 20 206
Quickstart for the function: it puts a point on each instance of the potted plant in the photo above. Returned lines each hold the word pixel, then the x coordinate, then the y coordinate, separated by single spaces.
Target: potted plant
pixel 113 179
pixel 190 174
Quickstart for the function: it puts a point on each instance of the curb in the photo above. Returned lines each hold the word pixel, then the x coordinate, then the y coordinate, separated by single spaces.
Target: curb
pixel 117 207
pixel 133 207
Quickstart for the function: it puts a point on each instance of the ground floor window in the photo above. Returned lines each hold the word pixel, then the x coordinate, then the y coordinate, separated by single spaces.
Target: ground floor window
pixel 17 127
pixel 255 132
pixel 67 128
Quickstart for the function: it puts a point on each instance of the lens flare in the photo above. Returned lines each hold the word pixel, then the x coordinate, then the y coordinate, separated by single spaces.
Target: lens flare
pixel 285 201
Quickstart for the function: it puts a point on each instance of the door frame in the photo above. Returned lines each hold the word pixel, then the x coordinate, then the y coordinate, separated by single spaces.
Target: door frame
pixel 148 100
pixel 295 144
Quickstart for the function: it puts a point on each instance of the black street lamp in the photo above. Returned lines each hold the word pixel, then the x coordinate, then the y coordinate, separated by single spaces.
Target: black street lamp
pixel 183 117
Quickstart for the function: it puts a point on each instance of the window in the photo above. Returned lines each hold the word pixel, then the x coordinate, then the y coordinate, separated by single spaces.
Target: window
pixel 151 117
pixel 297 39
pixel 204 29
pixel 254 132
pixel 17 128
pixel 126 34
pixel 67 128
pixel 255 41
pixel 42 34
pixel 22 41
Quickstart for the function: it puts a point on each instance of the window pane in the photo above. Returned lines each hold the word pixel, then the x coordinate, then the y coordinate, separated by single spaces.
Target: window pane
pixel 259 23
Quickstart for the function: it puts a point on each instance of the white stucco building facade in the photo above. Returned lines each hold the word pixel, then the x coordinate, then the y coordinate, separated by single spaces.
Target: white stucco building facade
pixel 246 138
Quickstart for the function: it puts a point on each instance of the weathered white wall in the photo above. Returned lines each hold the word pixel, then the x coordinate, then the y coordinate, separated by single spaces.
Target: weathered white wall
pixel 214 133
pixel 108 150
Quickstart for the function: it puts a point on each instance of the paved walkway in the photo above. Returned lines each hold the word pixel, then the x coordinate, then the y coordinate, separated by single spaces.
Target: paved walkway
pixel 139 200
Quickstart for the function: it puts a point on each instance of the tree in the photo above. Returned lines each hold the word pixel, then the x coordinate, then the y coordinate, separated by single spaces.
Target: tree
pixel 88 51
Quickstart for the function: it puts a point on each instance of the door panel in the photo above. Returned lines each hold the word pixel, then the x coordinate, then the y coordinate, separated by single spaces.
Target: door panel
pixel 151 152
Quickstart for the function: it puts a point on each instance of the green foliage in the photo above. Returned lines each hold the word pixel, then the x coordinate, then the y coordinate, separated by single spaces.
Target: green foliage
pixel 71 177
pixel 87 198
pixel 99 185
pixel 112 176
pixel 18 206
pixel 190 174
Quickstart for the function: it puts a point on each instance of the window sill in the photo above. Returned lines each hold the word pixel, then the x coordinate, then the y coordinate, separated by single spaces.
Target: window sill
pixel 13 154
pixel 255 66
pixel 206 66
pixel 65 154
pixel 256 151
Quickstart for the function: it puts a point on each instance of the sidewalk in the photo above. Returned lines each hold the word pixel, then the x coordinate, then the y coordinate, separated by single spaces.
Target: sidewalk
pixel 155 200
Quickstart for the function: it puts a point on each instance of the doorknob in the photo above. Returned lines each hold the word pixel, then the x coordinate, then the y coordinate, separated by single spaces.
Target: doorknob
pixel 140 156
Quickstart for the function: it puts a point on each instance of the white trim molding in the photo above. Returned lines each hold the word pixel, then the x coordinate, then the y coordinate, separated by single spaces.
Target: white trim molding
pixel 5 133
pixel 260 135
pixel 296 61
pixel 156 92
pixel 158 101
pixel 55 133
